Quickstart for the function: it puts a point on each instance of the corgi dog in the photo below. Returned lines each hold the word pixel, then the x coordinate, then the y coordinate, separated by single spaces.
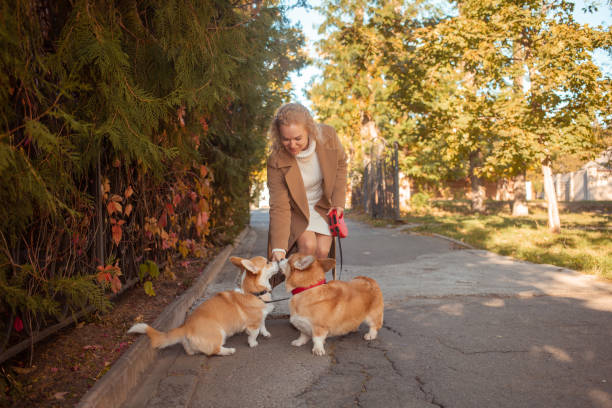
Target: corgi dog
pixel 321 309
pixel 224 314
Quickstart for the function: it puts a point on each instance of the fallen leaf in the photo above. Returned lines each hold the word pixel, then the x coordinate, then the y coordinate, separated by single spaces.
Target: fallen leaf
pixel 184 252
pixel 121 346
pixel 23 370
pixel 60 395
pixel 128 192
pixel 92 347
pixel 148 288
pixel 54 369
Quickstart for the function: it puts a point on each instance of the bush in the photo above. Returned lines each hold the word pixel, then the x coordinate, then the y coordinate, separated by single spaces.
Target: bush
pixel 128 132
pixel 420 201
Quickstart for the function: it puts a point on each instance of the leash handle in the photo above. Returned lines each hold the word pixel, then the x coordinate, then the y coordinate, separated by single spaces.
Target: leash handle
pixel 337 225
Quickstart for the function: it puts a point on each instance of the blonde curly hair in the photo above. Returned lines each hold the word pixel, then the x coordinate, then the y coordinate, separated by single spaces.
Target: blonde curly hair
pixel 289 114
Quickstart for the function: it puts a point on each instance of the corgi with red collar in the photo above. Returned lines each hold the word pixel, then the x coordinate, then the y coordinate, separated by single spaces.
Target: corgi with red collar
pixel 224 314
pixel 321 309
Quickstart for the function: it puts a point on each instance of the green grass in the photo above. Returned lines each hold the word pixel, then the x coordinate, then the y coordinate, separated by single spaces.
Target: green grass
pixel 584 243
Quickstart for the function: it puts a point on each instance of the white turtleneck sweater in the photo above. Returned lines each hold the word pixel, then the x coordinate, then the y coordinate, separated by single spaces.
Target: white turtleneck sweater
pixel 308 162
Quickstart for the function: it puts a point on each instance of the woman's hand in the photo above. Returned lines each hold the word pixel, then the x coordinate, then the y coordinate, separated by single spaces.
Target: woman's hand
pixel 277 256
pixel 339 211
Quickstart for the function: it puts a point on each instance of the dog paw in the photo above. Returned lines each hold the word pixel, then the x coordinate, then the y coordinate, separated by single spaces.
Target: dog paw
pixel 265 333
pixel 370 336
pixel 318 351
pixel 300 341
pixel 226 351
pixel 253 343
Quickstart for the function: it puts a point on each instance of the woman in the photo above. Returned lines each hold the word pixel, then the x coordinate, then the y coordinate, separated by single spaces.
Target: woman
pixel 306 179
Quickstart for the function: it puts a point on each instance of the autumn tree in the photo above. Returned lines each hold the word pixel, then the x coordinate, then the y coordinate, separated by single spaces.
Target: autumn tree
pixel 523 87
pixel 356 91
pixel 490 91
pixel 551 93
pixel 351 81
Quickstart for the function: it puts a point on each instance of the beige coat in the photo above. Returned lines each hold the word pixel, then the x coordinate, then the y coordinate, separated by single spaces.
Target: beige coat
pixel 289 212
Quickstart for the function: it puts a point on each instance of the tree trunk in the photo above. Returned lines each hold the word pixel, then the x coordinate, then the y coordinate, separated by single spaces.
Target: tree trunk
pixel 368 135
pixel 396 185
pixel 478 191
pixel 478 195
pixel 405 192
pixel 554 223
pixel 519 206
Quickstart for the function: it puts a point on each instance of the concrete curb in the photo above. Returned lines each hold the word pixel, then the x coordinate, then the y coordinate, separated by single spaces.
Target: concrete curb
pixel 456 241
pixel 113 388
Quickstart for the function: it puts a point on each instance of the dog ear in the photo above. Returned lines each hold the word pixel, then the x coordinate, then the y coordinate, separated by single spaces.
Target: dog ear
pixel 327 263
pixel 249 266
pixel 304 263
pixel 236 261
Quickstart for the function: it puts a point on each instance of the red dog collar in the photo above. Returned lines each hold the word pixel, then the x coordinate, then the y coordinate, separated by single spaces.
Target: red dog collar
pixel 299 290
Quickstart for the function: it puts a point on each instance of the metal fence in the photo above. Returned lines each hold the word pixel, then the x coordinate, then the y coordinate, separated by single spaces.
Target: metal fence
pixel 378 193
pixel 591 183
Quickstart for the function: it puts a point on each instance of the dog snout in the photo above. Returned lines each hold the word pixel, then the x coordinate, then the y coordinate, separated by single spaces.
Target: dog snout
pixel 283 265
pixel 273 267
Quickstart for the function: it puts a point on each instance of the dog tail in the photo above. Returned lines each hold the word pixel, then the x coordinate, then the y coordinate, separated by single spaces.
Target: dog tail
pixel 158 338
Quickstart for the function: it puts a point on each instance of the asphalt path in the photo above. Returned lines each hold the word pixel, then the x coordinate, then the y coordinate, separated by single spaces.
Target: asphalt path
pixel 463 328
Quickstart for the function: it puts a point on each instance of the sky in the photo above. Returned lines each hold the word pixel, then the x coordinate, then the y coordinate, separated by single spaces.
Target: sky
pixel 310 19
